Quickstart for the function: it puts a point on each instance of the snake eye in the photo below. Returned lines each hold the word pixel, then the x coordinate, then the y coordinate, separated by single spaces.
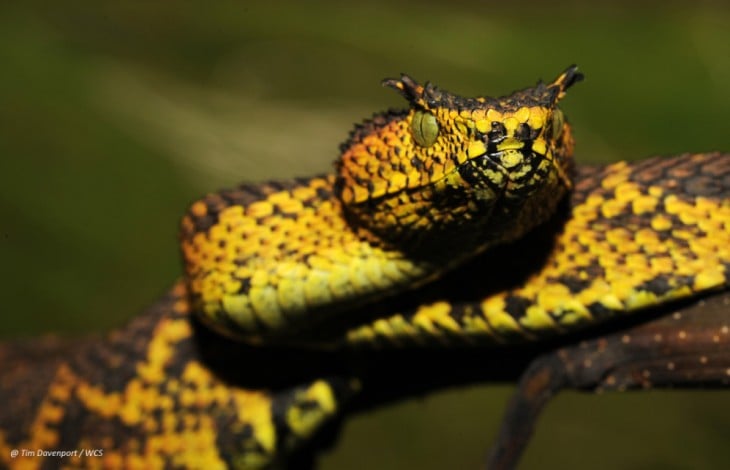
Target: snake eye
pixel 555 128
pixel 425 128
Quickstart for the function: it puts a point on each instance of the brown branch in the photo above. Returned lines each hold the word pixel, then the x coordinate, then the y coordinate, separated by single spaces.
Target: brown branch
pixel 687 348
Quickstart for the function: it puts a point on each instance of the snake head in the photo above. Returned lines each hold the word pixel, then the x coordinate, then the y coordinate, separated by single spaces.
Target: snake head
pixel 452 161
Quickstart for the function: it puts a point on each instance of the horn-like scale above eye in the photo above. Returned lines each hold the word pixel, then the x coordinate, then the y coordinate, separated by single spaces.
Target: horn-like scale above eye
pixel 425 128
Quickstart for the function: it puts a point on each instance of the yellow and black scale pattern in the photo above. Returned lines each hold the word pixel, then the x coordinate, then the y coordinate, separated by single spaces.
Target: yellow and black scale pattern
pixel 417 195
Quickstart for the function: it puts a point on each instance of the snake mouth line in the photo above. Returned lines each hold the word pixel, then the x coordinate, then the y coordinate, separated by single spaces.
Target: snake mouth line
pixel 494 160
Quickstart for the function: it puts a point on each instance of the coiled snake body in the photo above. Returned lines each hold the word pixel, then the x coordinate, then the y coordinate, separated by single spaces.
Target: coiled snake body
pixel 456 204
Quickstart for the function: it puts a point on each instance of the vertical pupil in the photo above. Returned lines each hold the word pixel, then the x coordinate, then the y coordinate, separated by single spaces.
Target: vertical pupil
pixel 422 128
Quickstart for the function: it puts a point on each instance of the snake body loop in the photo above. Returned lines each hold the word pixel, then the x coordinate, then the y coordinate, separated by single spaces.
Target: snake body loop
pixel 415 193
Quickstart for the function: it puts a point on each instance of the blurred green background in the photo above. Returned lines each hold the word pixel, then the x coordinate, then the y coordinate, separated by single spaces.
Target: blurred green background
pixel 115 115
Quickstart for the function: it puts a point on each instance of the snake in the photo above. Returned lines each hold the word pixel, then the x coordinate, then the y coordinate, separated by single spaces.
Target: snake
pixel 457 221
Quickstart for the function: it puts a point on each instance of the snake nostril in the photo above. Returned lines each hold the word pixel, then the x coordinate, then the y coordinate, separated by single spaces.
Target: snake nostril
pixel 524 132
pixel 498 132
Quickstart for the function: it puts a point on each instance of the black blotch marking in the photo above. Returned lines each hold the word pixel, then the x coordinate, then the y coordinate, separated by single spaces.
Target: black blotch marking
pixel 470 174
pixel 324 193
pixel 516 306
pixel 232 443
pixel 600 311
pixel 574 284
pixel 204 223
pixel 659 285
pixel 459 311
pixel 245 285
pixel 360 180
pixel 664 283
